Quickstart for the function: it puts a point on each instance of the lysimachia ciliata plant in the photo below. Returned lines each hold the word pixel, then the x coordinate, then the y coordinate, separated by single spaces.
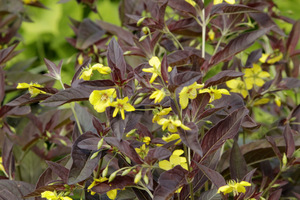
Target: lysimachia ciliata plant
pixel 187 100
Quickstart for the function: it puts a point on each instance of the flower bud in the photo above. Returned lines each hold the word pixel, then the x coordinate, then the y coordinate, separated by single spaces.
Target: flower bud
pixel 145 30
pixel 112 177
pixel 140 21
pixel 104 172
pixel 138 100
pixel 284 160
pixel 138 177
pixel 146 179
pixel 94 155
pixel 143 38
pixel 126 172
pixel 100 143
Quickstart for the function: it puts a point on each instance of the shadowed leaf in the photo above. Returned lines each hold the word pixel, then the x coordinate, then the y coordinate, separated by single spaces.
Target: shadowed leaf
pixel 54 70
pixel 274 147
pixel 215 177
pixel 238 165
pixel 26 99
pixel 155 154
pixel 222 77
pixel 289 141
pixel 253 57
pixel 60 170
pixel 15 189
pixel 210 195
pixel 2 84
pixel 293 38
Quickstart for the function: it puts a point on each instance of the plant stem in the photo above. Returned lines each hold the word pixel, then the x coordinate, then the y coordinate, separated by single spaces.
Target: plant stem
pixel 203 30
pixel 189 169
pixel 173 36
pixel 272 183
pixel 73 110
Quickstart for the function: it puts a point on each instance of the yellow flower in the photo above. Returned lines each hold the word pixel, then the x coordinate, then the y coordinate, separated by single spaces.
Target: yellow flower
pixel 53 196
pixel 235 187
pixel 277 101
pixel 31 88
pixel 101 99
pixel 172 137
pixel 147 140
pixel 253 76
pixel 142 151
pixel 172 124
pixel 175 159
pixel 221 1
pixel 261 101
pixel 211 35
pixel 237 86
pixel 158 95
pixel 1 165
pixel 156 70
pixel 270 59
pixel 192 2
pixel 188 92
pixel 86 73
pixel 160 114
pixel 214 93
pixel 122 105
pixel 112 194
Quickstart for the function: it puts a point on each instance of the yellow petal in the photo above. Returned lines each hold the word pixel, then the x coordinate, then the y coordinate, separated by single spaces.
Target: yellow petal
pixel 264 74
pixel 23 85
pixel 217 1
pixel 249 83
pixel 259 82
pixel 115 112
pixel 245 183
pixel 230 1
pixel 122 114
pixel 225 189
pixel 164 164
pixel 264 57
pixel 112 194
pixel 128 107
pixel 178 152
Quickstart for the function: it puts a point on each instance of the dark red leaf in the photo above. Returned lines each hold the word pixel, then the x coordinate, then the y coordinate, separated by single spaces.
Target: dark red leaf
pixel 8 160
pixel 164 69
pixel 90 142
pixel 249 124
pixel 222 77
pixel 26 99
pixel 88 34
pixel 199 104
pixel 289 141
pixel 183 7
pixel 156 154
pixel 275 195
pixel 124 147
pixel 2 84
pixel 186 78
pixel 60 170
pixel 237 45
pixel 238 165
pixel 54 70
pixel 119 182
pixel 17 189
pixel 293 38
pixel 232 9
pixel 253 57
pixel 99 83
pixel 6 54
pixel 215 177
pixel 169 181
pixel 38 191
pixel 191 138
pixel 225 129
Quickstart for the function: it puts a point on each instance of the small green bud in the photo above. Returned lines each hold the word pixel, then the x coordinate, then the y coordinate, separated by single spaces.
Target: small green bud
pixel 146 30
pixel 104 172
pixel 143 38
pixel 128 160
pixel 208 122
pixel 138 100
pixel 140 21
pixel 284 160
pixel 63 142
pixel 94 155
pixel 126 53
pixel 138 177
pixel 95 48
pixel 100 143
pixel 112 177
pixel 126 172
pixel 48 134
pixel 80 59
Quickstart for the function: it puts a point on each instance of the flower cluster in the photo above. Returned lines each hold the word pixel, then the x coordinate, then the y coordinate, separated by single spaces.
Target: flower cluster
pixel 235 187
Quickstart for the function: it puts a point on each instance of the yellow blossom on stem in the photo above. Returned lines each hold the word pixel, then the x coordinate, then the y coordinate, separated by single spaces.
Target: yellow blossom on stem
pixel 156 68
pixel 160 114
pixel 214 93
pixel 31 88
pixel 235 187
pixel 122 106
pixel 270 59
pixel 86 73
pixel 221 1
pixel 172 137
pixel 254 76
pixel 211 35
pixel 158 95
pixel 277 100
pixel 237 86
pixel 172 124
pixel 175 159
pixel 188 92
pixel 147 140
pixel 49 195
pixel 142 151
pixel 101 99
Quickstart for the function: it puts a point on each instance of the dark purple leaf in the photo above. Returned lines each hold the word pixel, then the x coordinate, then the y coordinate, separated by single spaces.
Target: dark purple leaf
pixel 68 95
pixel 161 13
pixel 26 99
pixel 98 83
pixel 2 84
pixel 289 141
pixel 169 181
pixel 116 60
pixel 297 195
pixel 98 126
pixel 88 34
pixel 6 54
pixel 253 57
pixel 208 112
pixel 183 7
pixel 119 182
pixel 90 142
pixel 177 58
pixel 237 45
pixel 210 195
pixel 289 83
pixel 232 9
pixel 275 195
pixel 225 129
pixel 77 73
pixel 38 191
pixel 191 138
pixel 222 77
pixel 122 34
pixel 124 147
pixel 8 160
pixel 186 78
pixel 249 124
pixel 199 104
pixel 60 170
pixel 82 166
pixel 238 165
pixel 164 69
pixel 215 177
pixel 54 70
pixel 265 21
pixel 17 189
pixel 155 154
pixel 293 38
